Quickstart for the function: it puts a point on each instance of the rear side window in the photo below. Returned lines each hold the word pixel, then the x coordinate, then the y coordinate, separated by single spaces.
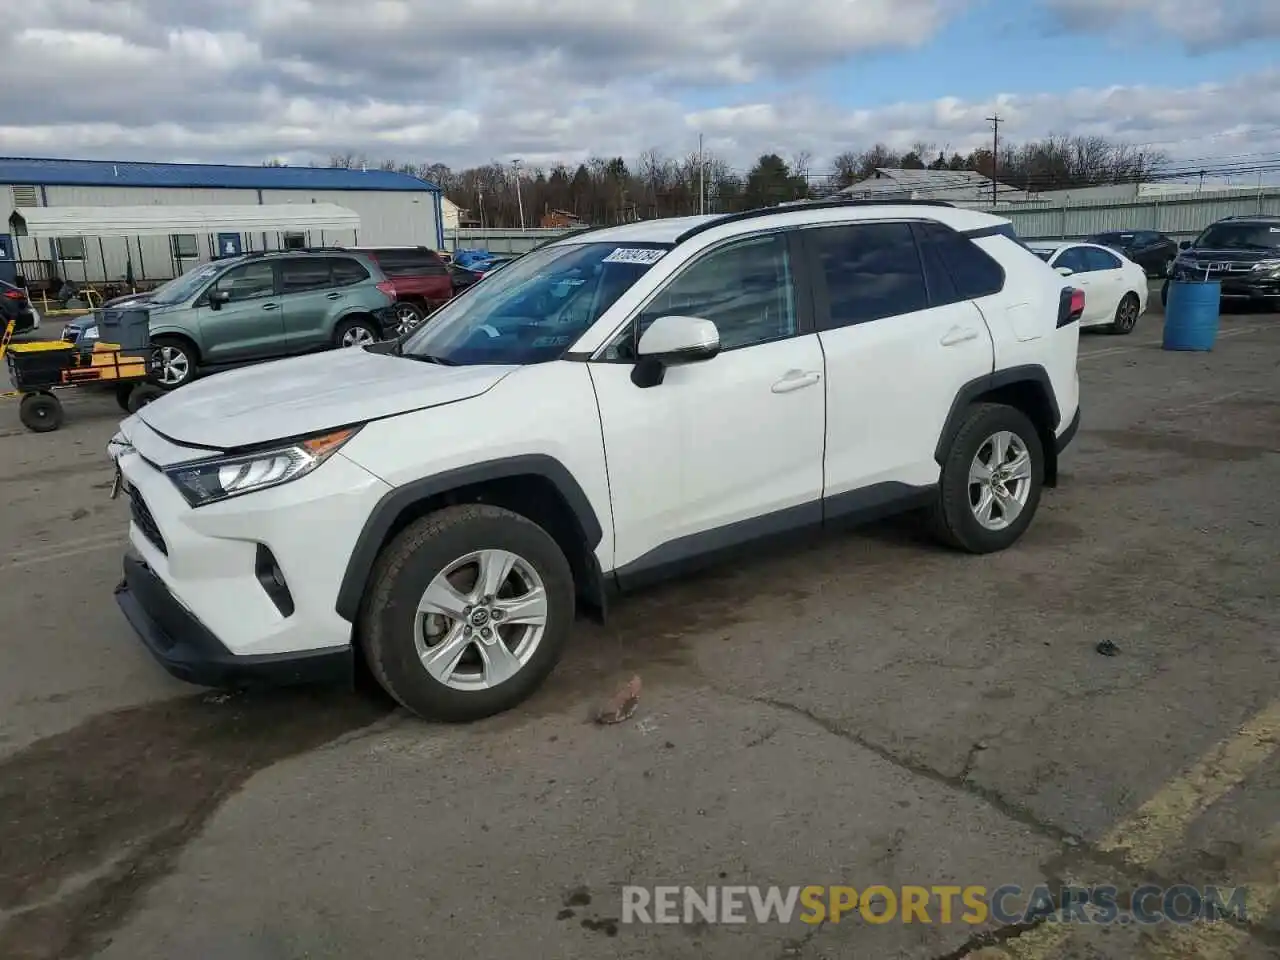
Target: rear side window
pixel 972 273
pixel 410 263
pixel 871 271
pixel 1100 259
pixel 347 272
pixel 301 274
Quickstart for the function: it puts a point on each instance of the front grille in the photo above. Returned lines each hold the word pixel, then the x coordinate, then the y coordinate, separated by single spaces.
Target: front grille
pixel 146 522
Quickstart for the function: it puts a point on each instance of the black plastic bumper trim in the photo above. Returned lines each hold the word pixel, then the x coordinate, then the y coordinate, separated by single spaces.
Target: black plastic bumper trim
pixel 188 650
pixel 1069 434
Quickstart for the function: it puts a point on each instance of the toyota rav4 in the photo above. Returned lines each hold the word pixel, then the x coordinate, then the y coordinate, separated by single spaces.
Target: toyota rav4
pixel 615 407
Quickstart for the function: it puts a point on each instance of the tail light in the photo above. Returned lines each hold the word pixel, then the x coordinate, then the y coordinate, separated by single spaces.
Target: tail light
pixel 14 295
pixel 387 287
pixel 1070 306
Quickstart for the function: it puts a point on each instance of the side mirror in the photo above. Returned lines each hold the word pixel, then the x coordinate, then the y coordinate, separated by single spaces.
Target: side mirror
pixel 218 297
pixel 1065 271
pixel 673 341
pixel 1185 245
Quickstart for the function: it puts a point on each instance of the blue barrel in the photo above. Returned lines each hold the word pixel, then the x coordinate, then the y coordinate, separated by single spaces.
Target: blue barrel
pixel 1191 315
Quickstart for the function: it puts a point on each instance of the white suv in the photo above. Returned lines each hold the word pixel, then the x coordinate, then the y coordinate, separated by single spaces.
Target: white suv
pixel 614 407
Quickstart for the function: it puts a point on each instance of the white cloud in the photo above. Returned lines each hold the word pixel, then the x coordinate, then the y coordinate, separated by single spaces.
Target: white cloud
pixel 468 82
pixel 1204 25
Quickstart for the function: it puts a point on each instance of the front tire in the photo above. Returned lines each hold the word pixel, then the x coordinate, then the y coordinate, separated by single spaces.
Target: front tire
pixel 991 481
pixel 1126 317
pixel 174 361
pixel 356 332
pixel 467 613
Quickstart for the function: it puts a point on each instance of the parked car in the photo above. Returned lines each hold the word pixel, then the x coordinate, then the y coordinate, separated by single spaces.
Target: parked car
pixel 1115 287
pixel 418 281
pixel 260 306
pixel 1149 249
pixel 466 277
pixel 16 306
pixel 1242 252
pixel 604 411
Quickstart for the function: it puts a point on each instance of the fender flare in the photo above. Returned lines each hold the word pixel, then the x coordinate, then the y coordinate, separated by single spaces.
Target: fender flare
pixel 1032 373
pixel 394 503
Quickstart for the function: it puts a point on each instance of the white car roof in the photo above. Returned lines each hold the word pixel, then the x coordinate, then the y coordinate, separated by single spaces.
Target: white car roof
pixel 669 229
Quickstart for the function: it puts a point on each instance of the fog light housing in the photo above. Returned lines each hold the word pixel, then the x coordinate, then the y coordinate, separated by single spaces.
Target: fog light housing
pixel 271 578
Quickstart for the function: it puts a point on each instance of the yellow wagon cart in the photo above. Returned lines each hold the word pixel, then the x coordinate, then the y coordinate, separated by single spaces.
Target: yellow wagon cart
pixel 40 367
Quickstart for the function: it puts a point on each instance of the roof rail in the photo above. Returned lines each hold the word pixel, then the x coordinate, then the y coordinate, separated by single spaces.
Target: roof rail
pixel 1251 216
pixel 809 204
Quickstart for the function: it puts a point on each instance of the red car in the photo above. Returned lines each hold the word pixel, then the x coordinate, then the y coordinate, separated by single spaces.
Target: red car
pixel 417 280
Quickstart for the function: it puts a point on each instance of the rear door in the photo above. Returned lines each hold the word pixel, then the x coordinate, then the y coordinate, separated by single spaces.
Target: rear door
pixel 250 324
pixel 900 341
pixel 310 301
pixel 1109 281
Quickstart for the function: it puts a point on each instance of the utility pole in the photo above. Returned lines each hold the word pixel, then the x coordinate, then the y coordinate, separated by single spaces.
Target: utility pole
pixel 702 179
pixel 995 152
pixel 519 199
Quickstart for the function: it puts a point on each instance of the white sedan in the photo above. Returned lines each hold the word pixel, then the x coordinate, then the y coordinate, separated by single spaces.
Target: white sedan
pixel 1115 288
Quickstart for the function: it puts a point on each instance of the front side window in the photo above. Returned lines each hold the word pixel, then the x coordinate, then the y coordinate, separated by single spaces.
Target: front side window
pixel 534 309
pixel 1073 258
pixel 247 282
pixel 744 288
pixel 872 271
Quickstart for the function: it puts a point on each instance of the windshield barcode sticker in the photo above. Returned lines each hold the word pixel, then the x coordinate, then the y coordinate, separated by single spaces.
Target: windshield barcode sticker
pixel 634 255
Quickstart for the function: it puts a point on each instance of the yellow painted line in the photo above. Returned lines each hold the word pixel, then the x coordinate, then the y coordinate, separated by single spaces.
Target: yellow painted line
pixel 1161 822
pixel 1224 941
pixel 1158 825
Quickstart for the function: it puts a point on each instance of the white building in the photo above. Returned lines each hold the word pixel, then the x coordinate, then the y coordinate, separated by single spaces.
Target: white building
pixel 964 187
pixel 391 208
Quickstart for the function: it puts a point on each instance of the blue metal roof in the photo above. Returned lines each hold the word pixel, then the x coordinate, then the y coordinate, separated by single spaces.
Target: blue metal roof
pixel 109 173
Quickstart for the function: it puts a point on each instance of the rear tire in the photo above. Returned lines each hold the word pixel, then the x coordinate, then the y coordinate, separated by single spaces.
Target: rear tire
pixel 41 412
pixel 356 332
pixel 468 679
pixel 1010 503
pixel 408 316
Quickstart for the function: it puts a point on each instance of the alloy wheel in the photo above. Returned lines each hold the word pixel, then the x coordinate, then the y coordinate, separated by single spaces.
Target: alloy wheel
pixel 358 336
pixel 481 619
pixel 999 480
pixel 173 366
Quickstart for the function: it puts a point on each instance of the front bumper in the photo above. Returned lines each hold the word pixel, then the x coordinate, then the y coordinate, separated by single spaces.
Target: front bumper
pixel 189 651
pixel 1238 285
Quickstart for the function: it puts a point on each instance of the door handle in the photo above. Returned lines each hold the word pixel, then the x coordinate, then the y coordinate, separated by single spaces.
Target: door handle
pixel 333 296
pixel 796 380
pixel 958 335
pixel 271 306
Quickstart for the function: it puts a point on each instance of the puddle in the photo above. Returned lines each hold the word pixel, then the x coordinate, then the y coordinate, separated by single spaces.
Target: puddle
pixel 90 817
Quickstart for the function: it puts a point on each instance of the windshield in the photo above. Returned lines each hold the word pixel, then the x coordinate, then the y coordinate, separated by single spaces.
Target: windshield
pixel 181 288
pixel 1241 236
pixel 535 307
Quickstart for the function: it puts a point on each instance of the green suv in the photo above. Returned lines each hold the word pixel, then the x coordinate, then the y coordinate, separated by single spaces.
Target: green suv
pixel 259 306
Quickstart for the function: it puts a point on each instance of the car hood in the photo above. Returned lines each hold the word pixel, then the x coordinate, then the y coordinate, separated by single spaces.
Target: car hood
pixel 291 398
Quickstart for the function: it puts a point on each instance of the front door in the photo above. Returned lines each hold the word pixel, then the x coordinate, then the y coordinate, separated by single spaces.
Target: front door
pixel 727 449
pixel 250 324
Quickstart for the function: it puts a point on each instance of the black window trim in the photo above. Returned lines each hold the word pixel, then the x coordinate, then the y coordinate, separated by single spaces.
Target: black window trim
pixel 802 283
pixel 917 226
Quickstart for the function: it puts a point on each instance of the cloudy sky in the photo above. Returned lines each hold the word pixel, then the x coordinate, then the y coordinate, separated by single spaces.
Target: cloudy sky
pixel 469 81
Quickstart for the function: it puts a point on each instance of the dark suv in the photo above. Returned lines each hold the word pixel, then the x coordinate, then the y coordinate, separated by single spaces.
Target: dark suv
pixel 1241 252
pixel 1152 251
pixel 417 280
pixel 259 306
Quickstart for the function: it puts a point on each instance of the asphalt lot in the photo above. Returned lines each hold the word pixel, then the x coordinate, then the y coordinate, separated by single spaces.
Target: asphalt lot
pixel 868 710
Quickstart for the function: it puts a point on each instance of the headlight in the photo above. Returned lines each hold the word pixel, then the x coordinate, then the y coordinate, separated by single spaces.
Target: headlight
pixel 1266 266
pixel 89 333
pixel 208 481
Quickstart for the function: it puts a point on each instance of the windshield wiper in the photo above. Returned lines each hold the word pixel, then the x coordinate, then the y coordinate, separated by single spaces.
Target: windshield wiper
pixel 427 358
